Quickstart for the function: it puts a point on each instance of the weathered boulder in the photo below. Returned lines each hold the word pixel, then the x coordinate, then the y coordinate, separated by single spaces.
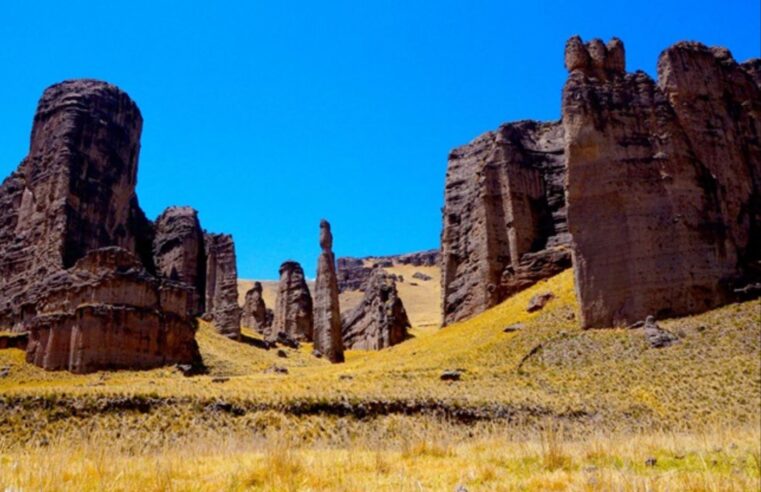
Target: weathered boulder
pixel 222 307
pixel 664 180
pixel 254 314
pixel 504 216
pixel 380 320
pixel 108 312
pixel 293 307
pixel 75 190
pixel 179 252
pixel 327 314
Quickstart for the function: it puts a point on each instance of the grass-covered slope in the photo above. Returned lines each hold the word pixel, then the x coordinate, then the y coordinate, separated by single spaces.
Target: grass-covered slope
pixel 549 367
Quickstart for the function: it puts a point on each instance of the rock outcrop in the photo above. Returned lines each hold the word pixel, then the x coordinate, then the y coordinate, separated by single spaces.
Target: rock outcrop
pixel 74 192
pixel 380 320
pixel 222 307
pixel 293 308
pixel 108 312
pixel 179 252
pixel 664 180
pixel 504 216
pixel 327 314
pixel 254 313
pixel 353 273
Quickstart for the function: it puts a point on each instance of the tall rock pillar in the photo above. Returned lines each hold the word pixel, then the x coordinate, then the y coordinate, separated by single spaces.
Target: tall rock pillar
pixel 327 315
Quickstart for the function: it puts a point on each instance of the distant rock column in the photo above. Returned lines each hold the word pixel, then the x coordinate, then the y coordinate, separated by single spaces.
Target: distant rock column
pixel 179 252
pixel 380 320
pixel 327 315
pixel 254 310
pixel 293 307
pixel 222 285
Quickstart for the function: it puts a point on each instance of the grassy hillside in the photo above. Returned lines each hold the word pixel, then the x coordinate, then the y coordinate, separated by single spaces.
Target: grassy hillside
pixel 386 416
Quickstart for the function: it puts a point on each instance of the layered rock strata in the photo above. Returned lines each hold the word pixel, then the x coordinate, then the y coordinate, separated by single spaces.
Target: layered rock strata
pixel 353 273
pixel 222 307
pixel 504 216
pixel 327 315
pixel 664 180
pixel 179 252
pixel 293 314
pixel 108 312
pixel 380 320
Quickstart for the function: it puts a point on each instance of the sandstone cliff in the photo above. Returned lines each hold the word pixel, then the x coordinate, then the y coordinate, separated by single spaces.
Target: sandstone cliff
pixel 504 216
pixel 74 192
pixel 254 312
pixel 664 180
pixel 107 312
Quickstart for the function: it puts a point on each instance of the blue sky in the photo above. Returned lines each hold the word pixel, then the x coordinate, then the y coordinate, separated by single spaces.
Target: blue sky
pixel 267 116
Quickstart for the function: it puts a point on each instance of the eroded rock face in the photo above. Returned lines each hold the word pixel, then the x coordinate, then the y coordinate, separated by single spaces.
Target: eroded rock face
pixel 179 252
pixel 74 192
pixel 664 180
pixel 380 320
pixel 504 217
pixel 327 314
pixel 222 307
pixel 108 312
pixel 293 307
pixel 254 313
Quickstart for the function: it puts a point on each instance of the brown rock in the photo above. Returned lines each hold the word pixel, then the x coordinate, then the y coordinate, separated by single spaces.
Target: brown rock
pixel 222 285
pixel 75 190
pixel 107 312
pixel 664 181
pixel 179 252
pixel 379 321
pixel 538 301
pixel 504 217
pixel 327 315
pixel 293 308
pixel 254 313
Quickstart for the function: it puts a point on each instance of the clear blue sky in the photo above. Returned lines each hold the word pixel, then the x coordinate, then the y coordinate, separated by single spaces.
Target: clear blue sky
pixel 267 116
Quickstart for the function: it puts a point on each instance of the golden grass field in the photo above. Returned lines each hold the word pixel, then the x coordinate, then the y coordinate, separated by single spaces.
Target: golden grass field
pixel 549 407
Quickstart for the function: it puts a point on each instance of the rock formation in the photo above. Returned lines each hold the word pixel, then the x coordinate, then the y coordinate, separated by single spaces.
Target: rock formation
pixel 380 320
pixel 327 316
pixel 222 307
pixel 293 307
pixel 74 192
pixel 107 312
pixel 353 273
pixel 664 180
pixel 254 314
pixel 179 252
pixel 504 216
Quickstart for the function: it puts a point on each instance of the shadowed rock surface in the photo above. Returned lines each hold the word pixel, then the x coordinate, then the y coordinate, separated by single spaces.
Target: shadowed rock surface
pixel 664 180
pixel 75 190
pixel 327 315
pixel 222 307
pixel 254 313
pixel 179 252
pixel 293 308
pixel 108 312
pixel 380 320
pixel 504 217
